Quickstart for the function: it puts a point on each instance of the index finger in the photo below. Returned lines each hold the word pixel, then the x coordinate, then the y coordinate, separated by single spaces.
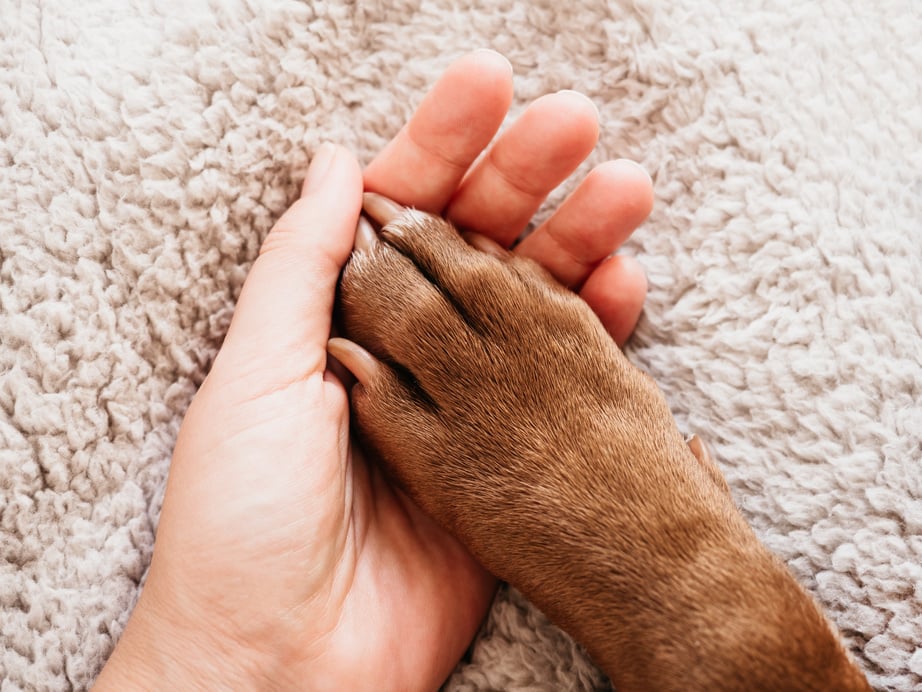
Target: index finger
pixel 424 163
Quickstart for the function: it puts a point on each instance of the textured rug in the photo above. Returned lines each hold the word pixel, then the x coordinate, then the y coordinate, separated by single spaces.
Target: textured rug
pixel 147 147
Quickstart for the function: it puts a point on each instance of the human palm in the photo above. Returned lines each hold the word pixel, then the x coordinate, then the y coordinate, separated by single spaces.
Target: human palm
pixel 281 550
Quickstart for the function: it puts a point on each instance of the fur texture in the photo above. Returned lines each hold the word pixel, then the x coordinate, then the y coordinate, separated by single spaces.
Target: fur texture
pixel 500 404
pixel 147 147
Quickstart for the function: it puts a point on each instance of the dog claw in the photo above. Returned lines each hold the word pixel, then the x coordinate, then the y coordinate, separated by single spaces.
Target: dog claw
pixel 364 366
pixel 701 452
pixel 484 244
pixel 696 445
pixel 380 208
pixel 365 236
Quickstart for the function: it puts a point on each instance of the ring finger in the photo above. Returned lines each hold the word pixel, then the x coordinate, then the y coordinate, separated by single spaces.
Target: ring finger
pixel 504 189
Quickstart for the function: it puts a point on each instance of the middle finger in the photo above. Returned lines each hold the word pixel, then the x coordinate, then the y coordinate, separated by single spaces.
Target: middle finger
pixel 544 146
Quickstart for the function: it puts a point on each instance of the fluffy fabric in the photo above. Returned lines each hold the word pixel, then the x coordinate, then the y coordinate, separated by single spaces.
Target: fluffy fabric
pixel 147 147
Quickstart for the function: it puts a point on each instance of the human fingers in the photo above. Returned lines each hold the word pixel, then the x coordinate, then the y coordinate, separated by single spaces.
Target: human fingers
pixel 502 192
pixel 423 164
pixel 615 291
pixel 282 320
pixel 613 200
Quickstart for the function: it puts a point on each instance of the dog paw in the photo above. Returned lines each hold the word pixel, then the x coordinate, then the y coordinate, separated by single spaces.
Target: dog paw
pixel 497 400
pixel 493 394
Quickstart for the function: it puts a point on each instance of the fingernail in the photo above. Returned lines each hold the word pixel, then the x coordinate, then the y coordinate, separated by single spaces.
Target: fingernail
pixel 573 92
pixel 495 54
pixel 629 163
pixel 320 166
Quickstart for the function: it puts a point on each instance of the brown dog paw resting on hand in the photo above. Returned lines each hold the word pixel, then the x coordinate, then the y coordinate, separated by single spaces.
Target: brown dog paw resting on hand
pixel 502 406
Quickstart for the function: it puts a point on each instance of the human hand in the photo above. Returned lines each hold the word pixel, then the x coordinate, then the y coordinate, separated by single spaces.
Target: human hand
pixel 428 166
pixel 282 558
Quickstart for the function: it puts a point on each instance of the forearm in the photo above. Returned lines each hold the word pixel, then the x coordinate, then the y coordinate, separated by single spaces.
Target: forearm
pixel 727 614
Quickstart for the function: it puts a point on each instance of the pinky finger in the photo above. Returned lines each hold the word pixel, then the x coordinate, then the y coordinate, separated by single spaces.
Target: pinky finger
pixel 615 291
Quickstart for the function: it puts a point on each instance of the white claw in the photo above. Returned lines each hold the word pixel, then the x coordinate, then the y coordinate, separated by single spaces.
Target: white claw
pixel 365 236
pixel 364 366
pixel 380 208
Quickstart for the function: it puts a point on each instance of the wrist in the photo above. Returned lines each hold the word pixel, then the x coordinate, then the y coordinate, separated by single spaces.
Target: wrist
pixel 157 651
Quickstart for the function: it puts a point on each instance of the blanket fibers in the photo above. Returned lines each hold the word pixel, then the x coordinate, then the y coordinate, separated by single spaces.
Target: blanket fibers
pixel 147 147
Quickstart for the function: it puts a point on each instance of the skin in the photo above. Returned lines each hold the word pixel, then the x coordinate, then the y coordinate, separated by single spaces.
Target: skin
pixel 283 558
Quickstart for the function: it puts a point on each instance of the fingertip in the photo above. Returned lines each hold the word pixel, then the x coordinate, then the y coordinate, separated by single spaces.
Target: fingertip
pixel 634 188
pixel 638 170
pixel 493 62
pixel 638 185
pixel 322 221
pixel 575 109
pixel 331 161
pixel 632 277
pixel 581 101
pixel 482 79
pixel 616 291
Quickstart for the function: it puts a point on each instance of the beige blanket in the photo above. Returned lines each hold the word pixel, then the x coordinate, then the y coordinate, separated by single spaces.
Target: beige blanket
pixel 147 147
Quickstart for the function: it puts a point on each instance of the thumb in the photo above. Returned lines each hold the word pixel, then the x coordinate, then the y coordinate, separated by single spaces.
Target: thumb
pixel 282 320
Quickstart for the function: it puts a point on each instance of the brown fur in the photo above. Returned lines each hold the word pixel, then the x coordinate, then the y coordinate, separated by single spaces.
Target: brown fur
pixel 510 416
